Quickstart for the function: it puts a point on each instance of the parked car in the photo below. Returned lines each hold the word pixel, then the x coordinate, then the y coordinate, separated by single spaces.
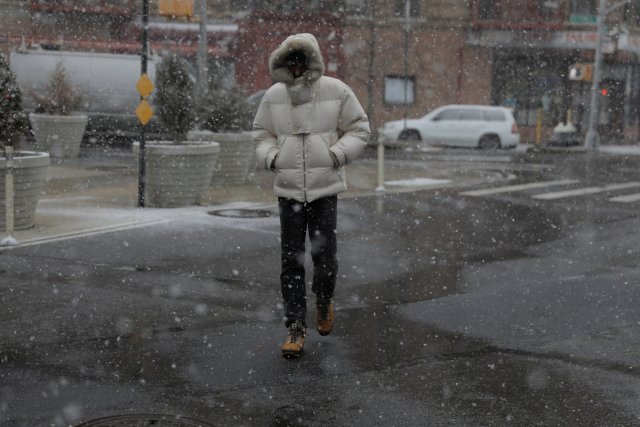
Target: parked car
pixel 456 125
pixel 565 135
pixel 106 81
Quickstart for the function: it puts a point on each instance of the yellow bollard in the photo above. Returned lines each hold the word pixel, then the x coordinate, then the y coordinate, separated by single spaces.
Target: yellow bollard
pixel 8 192
pixel 380 187
pixel 539 127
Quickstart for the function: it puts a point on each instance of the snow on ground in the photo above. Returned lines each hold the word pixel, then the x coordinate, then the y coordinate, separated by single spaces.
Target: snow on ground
pixel 620 149
pixel 417 182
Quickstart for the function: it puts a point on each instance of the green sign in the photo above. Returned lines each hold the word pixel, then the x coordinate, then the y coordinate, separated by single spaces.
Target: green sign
pixel 582 19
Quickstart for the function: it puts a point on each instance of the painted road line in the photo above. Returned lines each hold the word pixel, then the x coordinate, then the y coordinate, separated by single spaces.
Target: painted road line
pixel 85 233
pixel 626 199
pixel 519 187
pixel 584 191
pixel 471 158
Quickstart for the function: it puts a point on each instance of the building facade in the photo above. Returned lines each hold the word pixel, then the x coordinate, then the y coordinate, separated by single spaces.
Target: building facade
pixel 402 57
pixel 533 45
pixel 367 44
pixel 420 45
pixel 106 26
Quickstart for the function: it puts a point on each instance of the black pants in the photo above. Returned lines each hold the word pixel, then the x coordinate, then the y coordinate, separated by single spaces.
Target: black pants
pixel 319 218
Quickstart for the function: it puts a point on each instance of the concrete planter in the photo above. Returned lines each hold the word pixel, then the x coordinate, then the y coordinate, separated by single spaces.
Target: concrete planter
pixel 60 136
pixel 29 178
pixel 237 157
pixel 177 175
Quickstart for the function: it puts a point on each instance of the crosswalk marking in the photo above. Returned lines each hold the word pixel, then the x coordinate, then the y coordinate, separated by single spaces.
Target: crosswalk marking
pixel 584 191
pixel 519 187
pixel 626 198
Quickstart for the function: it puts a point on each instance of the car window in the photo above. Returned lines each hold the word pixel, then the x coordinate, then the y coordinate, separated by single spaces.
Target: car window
pixel 470 115
pixel 494 116
pixel 447 115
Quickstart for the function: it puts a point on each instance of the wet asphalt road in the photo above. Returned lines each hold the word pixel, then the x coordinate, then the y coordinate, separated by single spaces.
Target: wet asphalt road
pixel 451 310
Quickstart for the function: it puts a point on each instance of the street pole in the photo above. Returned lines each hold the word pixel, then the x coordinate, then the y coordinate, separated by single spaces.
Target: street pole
pixel 143 70
pixel 407 13
pixel 592 139
pixel 370 80
pixel 202 54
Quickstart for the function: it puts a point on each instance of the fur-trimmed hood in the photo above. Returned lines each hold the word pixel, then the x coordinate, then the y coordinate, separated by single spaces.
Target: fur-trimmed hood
pixel 308 45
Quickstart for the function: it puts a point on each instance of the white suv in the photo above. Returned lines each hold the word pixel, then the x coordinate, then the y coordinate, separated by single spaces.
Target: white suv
pixel 456 125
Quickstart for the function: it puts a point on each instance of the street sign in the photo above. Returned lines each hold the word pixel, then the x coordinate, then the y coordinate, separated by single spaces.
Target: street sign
pixel 177 8
pixel 144 86
pixel 144 112
pixel 581 72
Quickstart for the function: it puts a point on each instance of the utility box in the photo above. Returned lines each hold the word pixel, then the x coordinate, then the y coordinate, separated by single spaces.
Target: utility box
pixel 581 72
pixel 175 8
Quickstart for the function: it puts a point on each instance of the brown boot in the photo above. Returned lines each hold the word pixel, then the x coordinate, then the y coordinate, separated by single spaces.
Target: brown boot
pixel 295 341
pixel 324 317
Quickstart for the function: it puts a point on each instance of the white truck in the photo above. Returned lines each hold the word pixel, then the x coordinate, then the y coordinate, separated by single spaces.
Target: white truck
pixel 107 83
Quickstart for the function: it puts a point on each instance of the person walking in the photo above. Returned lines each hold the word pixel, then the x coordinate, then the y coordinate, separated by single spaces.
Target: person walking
pixel 307 128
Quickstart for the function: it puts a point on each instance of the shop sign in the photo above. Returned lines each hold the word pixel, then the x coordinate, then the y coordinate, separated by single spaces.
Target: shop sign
pixel 629 43
pixel 540 40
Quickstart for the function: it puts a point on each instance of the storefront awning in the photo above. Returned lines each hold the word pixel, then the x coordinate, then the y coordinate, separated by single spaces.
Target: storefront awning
pixel 538 40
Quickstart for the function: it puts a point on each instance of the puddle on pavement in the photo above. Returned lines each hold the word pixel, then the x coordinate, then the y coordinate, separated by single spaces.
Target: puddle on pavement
pixel 242 213
pixel 375 364
pixel 138 420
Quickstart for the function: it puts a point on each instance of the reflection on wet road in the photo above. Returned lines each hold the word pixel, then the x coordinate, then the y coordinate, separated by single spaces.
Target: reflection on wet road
pixel 451 310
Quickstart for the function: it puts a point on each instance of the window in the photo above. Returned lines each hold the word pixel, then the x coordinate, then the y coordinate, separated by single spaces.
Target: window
pixel 394 87
pixel 583 7
pixel 401 5
pixel 355 7
pixel 583 11
pixel 447 115
pixel 494 116
pixel 486 9
pixel 471 115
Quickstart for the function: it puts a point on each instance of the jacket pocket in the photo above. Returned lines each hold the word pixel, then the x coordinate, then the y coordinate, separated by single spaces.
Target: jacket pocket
pixel 318 148
pixel 287 153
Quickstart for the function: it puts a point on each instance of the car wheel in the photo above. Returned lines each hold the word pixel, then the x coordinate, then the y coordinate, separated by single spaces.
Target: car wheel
pixel 489 142
pixel 409 135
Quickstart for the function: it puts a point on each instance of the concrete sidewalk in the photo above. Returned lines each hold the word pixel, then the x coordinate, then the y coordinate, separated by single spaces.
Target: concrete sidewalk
pixel 98 192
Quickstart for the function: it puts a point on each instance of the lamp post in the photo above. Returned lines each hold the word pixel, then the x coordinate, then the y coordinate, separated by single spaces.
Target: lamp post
pixel 143 71
pixel 202 54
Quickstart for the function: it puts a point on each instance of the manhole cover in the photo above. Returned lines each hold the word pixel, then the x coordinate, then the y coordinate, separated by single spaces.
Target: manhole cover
pixel 242 213
pixel 144 420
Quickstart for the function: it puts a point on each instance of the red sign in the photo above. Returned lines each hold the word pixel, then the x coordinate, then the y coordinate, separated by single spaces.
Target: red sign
pixel 99 7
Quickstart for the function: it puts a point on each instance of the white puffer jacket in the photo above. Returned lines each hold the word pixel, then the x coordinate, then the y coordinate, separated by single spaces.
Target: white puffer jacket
pixel 300 119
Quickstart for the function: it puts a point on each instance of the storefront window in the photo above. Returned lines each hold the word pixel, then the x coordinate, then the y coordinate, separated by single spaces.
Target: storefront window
pixel 531 87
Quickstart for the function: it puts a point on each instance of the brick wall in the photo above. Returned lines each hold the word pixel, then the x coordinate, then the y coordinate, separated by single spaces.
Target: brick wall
pixel 261 33
pixel 445 69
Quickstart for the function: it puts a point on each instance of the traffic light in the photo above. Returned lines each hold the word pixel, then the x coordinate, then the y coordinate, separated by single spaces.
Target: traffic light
pixel 604 91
